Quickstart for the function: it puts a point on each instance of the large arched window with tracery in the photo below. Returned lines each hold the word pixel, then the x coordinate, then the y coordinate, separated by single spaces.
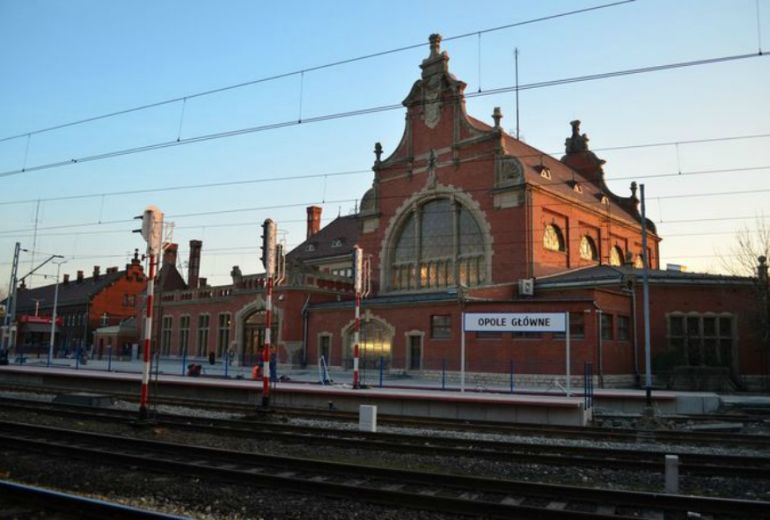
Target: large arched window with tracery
pixel 438 244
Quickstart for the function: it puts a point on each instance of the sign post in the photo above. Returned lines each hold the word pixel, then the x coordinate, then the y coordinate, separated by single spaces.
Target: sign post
pixel 515 322
pixel 462 355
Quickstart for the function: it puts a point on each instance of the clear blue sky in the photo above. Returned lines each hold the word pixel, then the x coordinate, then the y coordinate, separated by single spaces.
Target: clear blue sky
pixel 63 61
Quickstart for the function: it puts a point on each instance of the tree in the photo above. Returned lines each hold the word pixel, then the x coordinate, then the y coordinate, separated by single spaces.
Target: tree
pixel 743 256
pixel 748 257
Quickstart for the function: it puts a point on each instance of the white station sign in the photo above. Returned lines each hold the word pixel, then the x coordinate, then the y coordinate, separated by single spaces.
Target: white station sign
pixel 515 322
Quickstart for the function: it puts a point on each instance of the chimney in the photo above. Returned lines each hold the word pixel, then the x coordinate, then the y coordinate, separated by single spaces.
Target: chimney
pixel 202 282
pixel 66 279
pixel 96 272
pixel 194 265
pixel 313 220
pixel 80 276
pixel 169 254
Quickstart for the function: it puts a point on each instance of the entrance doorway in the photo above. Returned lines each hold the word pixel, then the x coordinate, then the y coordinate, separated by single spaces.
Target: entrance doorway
pixel 254 337
pixel 415 353
pixel 375 340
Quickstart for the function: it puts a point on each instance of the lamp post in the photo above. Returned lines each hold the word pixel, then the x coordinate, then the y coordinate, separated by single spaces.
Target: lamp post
pixel 53 314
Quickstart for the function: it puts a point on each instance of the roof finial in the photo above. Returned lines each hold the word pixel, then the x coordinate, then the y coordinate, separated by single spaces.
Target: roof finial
pixel 435 45
pixel 377 151
pixel 633 189
pixel 497 115
pixel 576 142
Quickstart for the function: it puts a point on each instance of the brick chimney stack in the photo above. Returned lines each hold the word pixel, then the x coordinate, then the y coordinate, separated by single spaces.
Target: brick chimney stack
pixel 97 270
pixel 169 254
pixel 313 220
pixel 80 277
pixel 194 265
pixel 66 279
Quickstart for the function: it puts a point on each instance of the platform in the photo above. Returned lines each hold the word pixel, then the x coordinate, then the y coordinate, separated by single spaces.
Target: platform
pixel 415 402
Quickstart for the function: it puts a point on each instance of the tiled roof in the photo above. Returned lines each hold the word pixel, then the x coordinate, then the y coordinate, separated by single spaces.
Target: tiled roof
pixel 562 180
pixel 342 229
pixel 562 176
pixel 71 293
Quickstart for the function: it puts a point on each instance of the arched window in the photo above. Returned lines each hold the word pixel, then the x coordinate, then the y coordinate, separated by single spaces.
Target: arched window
pixel 616 256
pixel 588 248
pixel 639 262
pixel 553 240
pixel 439 244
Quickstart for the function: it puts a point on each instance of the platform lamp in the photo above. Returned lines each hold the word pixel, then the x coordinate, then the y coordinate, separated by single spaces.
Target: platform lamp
pixel 53 314
pixel 152 232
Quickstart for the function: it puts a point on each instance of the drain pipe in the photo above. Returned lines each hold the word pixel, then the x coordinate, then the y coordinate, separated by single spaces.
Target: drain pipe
pixel 305 313
pixel 634 341
pixel 600 354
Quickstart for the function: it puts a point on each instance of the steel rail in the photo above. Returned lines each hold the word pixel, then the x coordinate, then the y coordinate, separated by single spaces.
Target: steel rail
pixel 441 492
pixel 732 466
pixel 42 500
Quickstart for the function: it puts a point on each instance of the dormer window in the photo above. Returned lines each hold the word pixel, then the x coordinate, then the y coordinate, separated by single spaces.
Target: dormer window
pixel 544 171
pixel 576 187
pixel 310 247
pixel 337 242
pixel 605 200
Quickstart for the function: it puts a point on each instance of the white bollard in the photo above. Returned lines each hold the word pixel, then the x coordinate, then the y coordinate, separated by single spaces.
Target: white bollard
pixel 367 418
pixel 672 474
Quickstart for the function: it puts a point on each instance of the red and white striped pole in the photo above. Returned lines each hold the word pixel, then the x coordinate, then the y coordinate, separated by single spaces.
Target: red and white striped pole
pixel 268 340
pixel 357 281
pixel 143 398
pixel 356 333
pixel 269 261
pixel 152 232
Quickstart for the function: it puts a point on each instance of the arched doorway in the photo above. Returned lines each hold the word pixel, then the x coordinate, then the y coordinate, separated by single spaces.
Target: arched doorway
pixel 254 336
pixel 375 344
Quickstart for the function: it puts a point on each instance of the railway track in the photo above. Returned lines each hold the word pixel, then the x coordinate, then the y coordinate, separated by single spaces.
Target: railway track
pixel 418 490
pixel 22 501
pixel 651 460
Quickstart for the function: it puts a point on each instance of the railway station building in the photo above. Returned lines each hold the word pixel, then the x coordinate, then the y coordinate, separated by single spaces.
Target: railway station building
pixel 462 217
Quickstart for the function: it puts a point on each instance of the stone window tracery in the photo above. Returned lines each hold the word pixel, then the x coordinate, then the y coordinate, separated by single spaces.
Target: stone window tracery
pixel 616 256
pixel 588 248
pixel 440 244
pixel 553 240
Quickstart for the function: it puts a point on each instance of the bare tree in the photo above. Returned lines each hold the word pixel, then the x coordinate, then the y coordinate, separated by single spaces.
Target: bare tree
pixel 750 243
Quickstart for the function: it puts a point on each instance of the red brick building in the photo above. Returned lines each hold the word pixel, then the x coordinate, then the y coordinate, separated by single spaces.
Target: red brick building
pixel 83 304
pixel 462 217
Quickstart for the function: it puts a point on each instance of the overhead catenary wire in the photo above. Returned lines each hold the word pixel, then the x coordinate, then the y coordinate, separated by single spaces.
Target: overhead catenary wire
pixel 345 61
pixel 252 224
pixel 368 170
pixel 363 111
pixel 597 203
pixel 228 251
